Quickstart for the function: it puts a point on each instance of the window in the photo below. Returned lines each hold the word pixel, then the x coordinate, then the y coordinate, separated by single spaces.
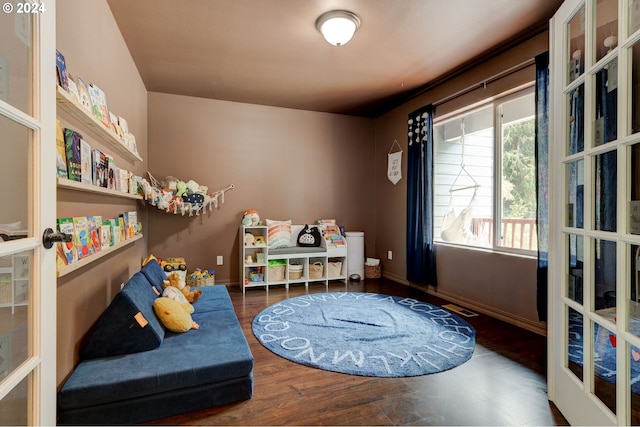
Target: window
pixel 484 175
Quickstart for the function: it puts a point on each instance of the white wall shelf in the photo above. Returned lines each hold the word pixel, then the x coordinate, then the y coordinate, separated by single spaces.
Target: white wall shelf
pixel 96 127
pixel 80 186
pixel 92 258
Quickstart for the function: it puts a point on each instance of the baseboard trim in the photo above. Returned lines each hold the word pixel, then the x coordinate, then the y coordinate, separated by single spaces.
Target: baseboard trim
pixel 539 328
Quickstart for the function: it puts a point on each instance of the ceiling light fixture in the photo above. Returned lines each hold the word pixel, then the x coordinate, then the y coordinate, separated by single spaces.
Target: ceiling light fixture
pixel 338 26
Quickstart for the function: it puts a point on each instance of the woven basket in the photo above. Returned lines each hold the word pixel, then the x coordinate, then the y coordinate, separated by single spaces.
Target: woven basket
pixel 203 281
pixel 295 272
pixel 372 271
pixel 316 270
pixel 334 269
pixel 275 273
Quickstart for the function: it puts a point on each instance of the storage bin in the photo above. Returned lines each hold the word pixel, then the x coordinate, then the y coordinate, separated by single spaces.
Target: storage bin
pixel 276 273
pixel 334 269
pixel 372 271
pixel 316 270
pixel 295 271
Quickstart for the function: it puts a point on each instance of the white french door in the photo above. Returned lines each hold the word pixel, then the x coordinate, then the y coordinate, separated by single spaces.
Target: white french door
pixel 27 207
pixel 594 262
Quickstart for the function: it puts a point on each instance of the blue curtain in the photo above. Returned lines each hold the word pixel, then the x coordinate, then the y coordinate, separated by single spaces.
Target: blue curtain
pixel 421 265
pixel 542 183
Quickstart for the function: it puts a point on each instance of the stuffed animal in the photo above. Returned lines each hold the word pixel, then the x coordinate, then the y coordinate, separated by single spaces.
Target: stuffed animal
pixel 251 218
pixel 181 188
pixel 174 315
pixel 177 281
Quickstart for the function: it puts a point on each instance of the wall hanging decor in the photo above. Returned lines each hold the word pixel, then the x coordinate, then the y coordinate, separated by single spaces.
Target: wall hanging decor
pixel 394 168
pixel 175 196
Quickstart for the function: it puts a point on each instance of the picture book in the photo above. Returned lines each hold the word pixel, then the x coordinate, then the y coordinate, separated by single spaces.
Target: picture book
pixel 99 105
pixel 111 178
pixel 115 231
pixel 83 242
pixel 61 67
pixel 100 168
pixel 123 231
pixel 94 232
pixel 61 157
pixel 124 126
pixel 105 234
pixel 124 180
pixel 83 95
pixel 85 163
pixel 131 224
pixel 72 149
pixel 73 90
pixel 65 251
pixel 113 121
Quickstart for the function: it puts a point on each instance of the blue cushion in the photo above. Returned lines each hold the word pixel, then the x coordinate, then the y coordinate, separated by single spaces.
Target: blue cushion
pixel 128 325
pixel 155 274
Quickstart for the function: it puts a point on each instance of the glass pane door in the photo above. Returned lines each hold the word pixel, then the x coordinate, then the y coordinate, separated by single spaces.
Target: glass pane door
pixel 27 169
pixel 594 374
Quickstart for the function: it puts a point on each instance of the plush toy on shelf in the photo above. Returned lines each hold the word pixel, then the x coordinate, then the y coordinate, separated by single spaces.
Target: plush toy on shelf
pixel 174 315
pixel 251 218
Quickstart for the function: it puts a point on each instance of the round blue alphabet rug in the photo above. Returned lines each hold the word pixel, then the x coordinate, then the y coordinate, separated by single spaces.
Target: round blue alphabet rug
pixel 365 334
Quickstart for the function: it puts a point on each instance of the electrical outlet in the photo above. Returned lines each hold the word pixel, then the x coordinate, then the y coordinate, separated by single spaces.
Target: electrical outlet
pixel 389 254
pixel 220 260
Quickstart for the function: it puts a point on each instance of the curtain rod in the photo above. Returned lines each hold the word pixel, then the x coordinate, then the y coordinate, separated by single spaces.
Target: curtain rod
pixel 485 82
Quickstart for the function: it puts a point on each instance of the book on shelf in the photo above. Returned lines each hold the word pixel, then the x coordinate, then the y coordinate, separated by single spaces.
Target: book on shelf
pixel 122 229
pixel 111 173
pixel 94 232
pixel 61 68
pixel 73 90
pixel 131 224
pixel 99 105
pixel 115 231
pixel 86 162
pixel 113 122
pixel 83 242
pixel 105 235
pixel 83 95
pixel 100 168
pixel 72 149
pixel 65 251
pixel 61 156
pixel 123 182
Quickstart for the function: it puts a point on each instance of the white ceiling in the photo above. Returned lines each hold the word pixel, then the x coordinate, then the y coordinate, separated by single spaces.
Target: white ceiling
pixel 269 52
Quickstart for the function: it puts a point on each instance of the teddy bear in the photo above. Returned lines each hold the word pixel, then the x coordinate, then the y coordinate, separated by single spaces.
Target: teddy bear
pixel 174 315
pixel 178 282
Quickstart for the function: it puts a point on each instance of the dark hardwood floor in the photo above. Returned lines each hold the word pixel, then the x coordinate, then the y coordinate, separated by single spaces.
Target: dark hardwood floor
pixel 503 384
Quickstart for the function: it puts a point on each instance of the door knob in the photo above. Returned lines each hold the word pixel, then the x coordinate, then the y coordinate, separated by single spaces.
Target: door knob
pixel 49 237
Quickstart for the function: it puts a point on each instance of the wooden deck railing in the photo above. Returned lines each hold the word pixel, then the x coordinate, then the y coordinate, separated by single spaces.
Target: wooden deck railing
pixel 516 233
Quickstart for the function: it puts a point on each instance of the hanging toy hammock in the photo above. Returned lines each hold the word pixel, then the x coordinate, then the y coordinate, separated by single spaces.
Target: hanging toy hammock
pixel 178 197
pixel 458 228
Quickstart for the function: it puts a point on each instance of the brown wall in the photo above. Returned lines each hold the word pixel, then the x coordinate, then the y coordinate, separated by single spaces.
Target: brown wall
pixel 287 164
pixel 498 284
pixel 89 38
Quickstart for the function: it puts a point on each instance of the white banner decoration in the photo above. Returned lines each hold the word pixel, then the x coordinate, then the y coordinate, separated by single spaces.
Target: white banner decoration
pixel 394 168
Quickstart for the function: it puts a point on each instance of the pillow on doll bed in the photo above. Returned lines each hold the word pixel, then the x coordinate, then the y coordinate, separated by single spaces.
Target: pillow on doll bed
pixel 279 234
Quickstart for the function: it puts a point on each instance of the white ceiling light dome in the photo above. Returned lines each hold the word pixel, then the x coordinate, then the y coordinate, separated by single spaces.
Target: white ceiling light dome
pixel 338 26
